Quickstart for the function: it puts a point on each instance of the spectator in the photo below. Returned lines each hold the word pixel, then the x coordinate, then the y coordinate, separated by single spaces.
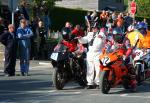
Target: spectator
pixel 120 20
pixel 24 10
pixel 120 27
pixel 114 17
pixel 128 20
pixel 8 39
pixel 47 23
pixel 103 18
pixel 41 31
pixel 34 39
pixel 24 34
pixel 2 27
pixel 146 24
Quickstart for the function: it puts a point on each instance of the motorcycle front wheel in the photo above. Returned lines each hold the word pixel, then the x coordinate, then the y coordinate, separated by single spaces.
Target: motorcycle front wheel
pixel 139 73
pixel 104 82
pixel 58 79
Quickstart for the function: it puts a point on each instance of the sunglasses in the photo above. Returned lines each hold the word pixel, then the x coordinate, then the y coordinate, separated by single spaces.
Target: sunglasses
pixel 23 22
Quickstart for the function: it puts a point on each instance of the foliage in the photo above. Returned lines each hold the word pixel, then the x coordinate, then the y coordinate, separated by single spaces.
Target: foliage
pixel 40 7
pixel 143 8
pixel 61 15
pixel 44 4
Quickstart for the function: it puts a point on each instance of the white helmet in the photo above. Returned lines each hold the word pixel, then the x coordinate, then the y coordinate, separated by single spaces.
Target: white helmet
pixel 130 28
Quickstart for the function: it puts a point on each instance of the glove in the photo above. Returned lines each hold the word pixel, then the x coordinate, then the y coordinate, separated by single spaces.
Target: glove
pixel 124 58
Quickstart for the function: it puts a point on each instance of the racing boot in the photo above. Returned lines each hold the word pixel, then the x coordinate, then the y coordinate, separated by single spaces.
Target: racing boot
pixel 133 85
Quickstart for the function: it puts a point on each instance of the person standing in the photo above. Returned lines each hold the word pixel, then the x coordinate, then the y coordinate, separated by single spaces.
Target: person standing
pixel 2 28
pixel 95 41
pixel 8 39
pixel 42 40
pixel 24 35
pixel 47 23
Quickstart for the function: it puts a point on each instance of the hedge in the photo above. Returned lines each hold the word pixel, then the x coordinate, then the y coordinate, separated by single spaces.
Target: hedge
pixel 60 15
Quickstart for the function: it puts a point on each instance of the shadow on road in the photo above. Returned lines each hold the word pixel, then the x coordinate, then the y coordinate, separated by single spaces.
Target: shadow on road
pixel 143 88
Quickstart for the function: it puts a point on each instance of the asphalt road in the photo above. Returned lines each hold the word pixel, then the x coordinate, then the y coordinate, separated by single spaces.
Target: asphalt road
pixel 38 88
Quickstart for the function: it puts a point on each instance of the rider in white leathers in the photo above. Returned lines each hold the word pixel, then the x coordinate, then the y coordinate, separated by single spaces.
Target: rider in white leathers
pixel 95 42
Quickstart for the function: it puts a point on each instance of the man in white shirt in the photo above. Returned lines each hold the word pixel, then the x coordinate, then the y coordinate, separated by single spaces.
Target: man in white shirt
pixel 95 41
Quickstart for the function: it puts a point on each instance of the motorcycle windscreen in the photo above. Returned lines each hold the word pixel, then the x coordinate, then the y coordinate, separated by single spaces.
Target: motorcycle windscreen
pixel 60 48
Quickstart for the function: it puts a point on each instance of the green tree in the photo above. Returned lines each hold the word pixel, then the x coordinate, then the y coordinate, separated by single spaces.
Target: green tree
pixel 39 7
pixel 42 6
pixel 143 8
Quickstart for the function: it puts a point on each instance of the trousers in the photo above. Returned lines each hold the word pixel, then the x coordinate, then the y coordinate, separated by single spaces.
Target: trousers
pixel 93 69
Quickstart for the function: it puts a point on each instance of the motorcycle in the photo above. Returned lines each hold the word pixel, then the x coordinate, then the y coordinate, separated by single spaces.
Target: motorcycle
pixel 114 71
pixel 142 64
pixel 67 66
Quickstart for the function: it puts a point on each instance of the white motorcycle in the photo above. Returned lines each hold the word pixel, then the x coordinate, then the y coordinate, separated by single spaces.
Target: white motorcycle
pixel 141 64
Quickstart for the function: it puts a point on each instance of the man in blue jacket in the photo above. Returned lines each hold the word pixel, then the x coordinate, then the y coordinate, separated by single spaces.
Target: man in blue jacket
pixel 24 35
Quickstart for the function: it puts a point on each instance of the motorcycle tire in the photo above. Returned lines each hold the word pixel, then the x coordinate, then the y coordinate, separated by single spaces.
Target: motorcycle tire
pixel 82 82
pixel 139 74
pixel 126 84
pixel 104 83
pixel 58 79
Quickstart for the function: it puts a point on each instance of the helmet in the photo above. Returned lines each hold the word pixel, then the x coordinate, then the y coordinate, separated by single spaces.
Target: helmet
pixel 130 28
pixel 117 31
pixel 104 30
pixel 102 34
pixel 141 25
pixel 117 36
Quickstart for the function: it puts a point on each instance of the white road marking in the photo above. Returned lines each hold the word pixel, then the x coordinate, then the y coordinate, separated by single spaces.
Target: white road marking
pixel 123 95
pixel 45 63
pixel 33 68
pixel 51 91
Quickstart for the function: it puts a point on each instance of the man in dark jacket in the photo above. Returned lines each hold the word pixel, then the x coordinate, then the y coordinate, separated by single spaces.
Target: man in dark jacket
pixel 1 26
pixel 8 39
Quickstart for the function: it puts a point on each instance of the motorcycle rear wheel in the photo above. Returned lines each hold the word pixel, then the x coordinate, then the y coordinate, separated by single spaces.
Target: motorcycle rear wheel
pixel 104 82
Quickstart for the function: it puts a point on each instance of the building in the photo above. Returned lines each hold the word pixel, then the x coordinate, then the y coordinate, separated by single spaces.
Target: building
pixel 92 4
pixel 117 5
pixel 80 4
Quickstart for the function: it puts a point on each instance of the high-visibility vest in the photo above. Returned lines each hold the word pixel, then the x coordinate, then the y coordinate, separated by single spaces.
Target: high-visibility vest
pixel 144 41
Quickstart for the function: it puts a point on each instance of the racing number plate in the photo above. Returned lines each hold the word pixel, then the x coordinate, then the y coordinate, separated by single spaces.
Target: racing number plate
pixel 54 56
pixel 105 60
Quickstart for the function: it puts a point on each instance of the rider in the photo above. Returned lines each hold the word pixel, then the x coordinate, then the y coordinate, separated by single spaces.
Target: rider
pixel 145 41
pixel 78 31
pixel 66 31
pixel 68 37
pixel 120 41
